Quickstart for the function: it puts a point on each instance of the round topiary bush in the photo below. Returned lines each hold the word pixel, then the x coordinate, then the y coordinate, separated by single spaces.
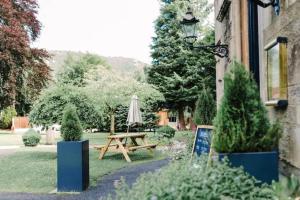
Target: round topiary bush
pixel 166 132
pixel 31 138
pixel 71 129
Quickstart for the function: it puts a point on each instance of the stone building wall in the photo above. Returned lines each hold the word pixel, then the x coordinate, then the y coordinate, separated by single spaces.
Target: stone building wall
pixel 287 24
pixel 232 30
pixel 226 33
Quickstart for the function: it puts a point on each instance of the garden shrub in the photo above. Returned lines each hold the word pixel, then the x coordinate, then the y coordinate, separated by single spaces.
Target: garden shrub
pixel 165 132
pixel 287 188
pixel 49 107
pixel 194 180
pixel 71 129
pixel 31 138
pixel 6 117
pixel 242 124
pixel 205 108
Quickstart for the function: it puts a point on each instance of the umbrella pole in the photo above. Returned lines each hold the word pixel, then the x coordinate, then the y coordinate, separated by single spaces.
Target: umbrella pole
pixel 128 129
pixel 127 134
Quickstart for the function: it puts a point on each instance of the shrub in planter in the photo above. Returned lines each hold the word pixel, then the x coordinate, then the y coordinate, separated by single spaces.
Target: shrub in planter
pixel 242 125
pixel 71 129
pixel 194 180
pixel 31 138
pixel 165 132
pixel 72 154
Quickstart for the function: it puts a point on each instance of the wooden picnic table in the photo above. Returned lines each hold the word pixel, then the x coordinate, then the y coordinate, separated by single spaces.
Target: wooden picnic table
pixel 116 143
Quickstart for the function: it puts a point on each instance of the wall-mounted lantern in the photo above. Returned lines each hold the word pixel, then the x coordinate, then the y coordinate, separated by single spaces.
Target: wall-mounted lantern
pixel 277 91
pixel 189 23
pixel 274 3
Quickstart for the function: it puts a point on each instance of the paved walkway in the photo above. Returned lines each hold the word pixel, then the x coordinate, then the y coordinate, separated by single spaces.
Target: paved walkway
pixel 104 187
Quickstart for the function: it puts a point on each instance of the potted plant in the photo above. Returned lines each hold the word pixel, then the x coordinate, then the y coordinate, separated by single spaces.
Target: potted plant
pixel 72 155
pixel 204 113
pixel 242 130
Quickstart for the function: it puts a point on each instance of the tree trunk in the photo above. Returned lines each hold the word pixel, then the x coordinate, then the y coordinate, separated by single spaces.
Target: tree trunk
pixel 193 125
pixel 181 118
pixel 112 123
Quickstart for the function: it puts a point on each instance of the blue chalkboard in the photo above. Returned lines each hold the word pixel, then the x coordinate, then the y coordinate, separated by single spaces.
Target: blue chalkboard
pixel 202 140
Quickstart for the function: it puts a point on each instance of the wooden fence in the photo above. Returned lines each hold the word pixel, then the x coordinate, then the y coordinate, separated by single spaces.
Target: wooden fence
pixel 20 122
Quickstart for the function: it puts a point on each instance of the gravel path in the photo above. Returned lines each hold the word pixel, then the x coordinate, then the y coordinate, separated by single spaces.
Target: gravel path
pixel 104 187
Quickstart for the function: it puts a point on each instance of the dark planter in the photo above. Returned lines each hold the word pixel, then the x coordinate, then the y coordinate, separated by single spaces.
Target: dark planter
pixel 262 165
pixel 72 166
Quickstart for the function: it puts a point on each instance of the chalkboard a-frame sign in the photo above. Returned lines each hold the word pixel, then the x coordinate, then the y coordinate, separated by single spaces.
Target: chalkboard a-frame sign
pixel 202 140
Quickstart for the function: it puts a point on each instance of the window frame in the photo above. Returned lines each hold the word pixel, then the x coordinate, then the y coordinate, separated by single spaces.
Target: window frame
pixel 282 99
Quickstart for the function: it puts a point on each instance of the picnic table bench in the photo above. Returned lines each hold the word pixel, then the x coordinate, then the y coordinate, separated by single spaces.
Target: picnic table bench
pixel 116 143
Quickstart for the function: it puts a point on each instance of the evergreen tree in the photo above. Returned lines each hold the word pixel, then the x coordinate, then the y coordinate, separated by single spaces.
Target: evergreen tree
pixel 205 108
pixel 179 72
pixel 71 129
pixel 241 124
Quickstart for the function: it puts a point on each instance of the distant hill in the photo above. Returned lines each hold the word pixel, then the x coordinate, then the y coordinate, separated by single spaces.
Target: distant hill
pixel 124 66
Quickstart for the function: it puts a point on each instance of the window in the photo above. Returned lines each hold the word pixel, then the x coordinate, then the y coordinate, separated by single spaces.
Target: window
pixel 172 119
pixel 277 69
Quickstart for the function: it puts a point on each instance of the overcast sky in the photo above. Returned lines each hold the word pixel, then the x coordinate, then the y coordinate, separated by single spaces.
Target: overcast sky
pixel 106 27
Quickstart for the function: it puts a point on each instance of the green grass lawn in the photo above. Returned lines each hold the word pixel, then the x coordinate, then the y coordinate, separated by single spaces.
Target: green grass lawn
pixel 35 171
pixel 7 138
pixel 182 136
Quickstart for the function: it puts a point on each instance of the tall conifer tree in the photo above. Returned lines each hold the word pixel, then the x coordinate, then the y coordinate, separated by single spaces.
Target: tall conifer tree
pixel 177 71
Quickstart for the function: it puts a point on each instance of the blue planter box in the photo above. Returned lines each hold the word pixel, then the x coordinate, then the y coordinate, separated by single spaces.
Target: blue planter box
pixel 72 166
pixel 262 165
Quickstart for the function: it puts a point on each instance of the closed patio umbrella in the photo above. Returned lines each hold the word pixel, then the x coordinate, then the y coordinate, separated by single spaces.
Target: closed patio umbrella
pixel 134 113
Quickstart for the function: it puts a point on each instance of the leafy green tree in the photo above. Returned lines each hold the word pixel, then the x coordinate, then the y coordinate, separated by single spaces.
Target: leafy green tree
pixel 242 124
pixel 111 91
pixel 71 129
pixel 74 71
pixel 179 72
pixel 205 108
pixel 49 107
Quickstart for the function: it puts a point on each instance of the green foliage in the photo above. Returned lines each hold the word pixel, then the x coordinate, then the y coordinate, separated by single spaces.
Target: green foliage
pixel 241 124
pixel 113 96
pixel 178 72
pixel 71 129
pixel 74 71
pixel 165 132
pixel 287 188
pixel 194 180
pixel 205 108
pixel 31 138
pixel 49 108
pixel 6 117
